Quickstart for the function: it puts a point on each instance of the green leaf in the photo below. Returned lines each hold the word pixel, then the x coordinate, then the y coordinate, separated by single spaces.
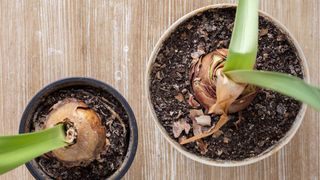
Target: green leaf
pixel 244 41
pixel 282 83
pixel 19 149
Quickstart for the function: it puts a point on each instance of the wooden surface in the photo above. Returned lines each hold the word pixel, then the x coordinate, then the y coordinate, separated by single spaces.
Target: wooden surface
pixel 111 40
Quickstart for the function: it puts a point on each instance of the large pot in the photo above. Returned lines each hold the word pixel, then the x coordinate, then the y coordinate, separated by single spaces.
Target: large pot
pixel 223 163
pixel 36 101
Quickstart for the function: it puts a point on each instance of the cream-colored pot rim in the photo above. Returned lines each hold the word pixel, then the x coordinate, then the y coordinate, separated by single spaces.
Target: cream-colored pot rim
pixel 225 163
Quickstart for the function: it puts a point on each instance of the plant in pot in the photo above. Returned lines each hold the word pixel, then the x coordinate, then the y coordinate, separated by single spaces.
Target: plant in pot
pixel 208 100
pixel 75 128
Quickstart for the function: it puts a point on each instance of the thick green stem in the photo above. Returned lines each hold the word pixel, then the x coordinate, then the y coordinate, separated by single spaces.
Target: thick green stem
pixel 244 41
pixel 19 149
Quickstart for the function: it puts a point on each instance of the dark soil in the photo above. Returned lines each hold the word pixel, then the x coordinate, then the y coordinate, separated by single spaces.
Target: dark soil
pixel 264 122
pixel 110 159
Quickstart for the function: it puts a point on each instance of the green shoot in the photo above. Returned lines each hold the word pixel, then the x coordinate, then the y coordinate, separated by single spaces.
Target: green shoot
pixel 244 41
pixel 242 57
pixel 282 83
pixel 19 149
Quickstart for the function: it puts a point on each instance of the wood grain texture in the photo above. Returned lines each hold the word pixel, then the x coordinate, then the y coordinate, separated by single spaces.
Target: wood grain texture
pixel 44 40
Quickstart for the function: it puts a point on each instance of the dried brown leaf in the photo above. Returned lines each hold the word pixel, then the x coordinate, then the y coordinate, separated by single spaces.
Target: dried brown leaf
pixel 180 126
pixel 197 54
pixel 193 113
pixel 197 129
pixel 179 97
pixel 187 127
pixel 223 120
pixel 192 102
pixel 203 120
pixel 177 129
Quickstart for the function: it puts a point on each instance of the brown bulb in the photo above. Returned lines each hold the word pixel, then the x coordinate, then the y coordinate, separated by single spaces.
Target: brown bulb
pixel 203 81
pixel 85 132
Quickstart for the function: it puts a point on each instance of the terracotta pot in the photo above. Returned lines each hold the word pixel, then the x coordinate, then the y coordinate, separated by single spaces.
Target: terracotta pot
pixel 225 163
pixel 37 100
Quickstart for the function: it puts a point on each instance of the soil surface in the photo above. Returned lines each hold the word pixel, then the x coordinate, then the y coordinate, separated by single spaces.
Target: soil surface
pixel 111 158
pixel 264 122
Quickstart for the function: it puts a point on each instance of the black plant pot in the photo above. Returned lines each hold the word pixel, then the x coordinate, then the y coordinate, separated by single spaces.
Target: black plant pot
pixel 38 99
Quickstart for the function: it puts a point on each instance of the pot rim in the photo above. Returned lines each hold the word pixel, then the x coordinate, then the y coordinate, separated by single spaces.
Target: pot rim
pixel 85 81
pixel 226 163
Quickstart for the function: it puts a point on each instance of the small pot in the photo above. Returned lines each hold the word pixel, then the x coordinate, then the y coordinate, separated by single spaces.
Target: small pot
pixel 80 81
pixel 224 163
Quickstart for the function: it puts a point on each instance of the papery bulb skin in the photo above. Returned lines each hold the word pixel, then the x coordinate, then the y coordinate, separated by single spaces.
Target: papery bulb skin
pixel 84 131
pixel 203 80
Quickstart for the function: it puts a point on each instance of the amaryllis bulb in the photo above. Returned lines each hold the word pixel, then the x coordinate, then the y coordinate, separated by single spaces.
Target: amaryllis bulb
pixel 85 131
pixel 218 94
pixel 203 76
